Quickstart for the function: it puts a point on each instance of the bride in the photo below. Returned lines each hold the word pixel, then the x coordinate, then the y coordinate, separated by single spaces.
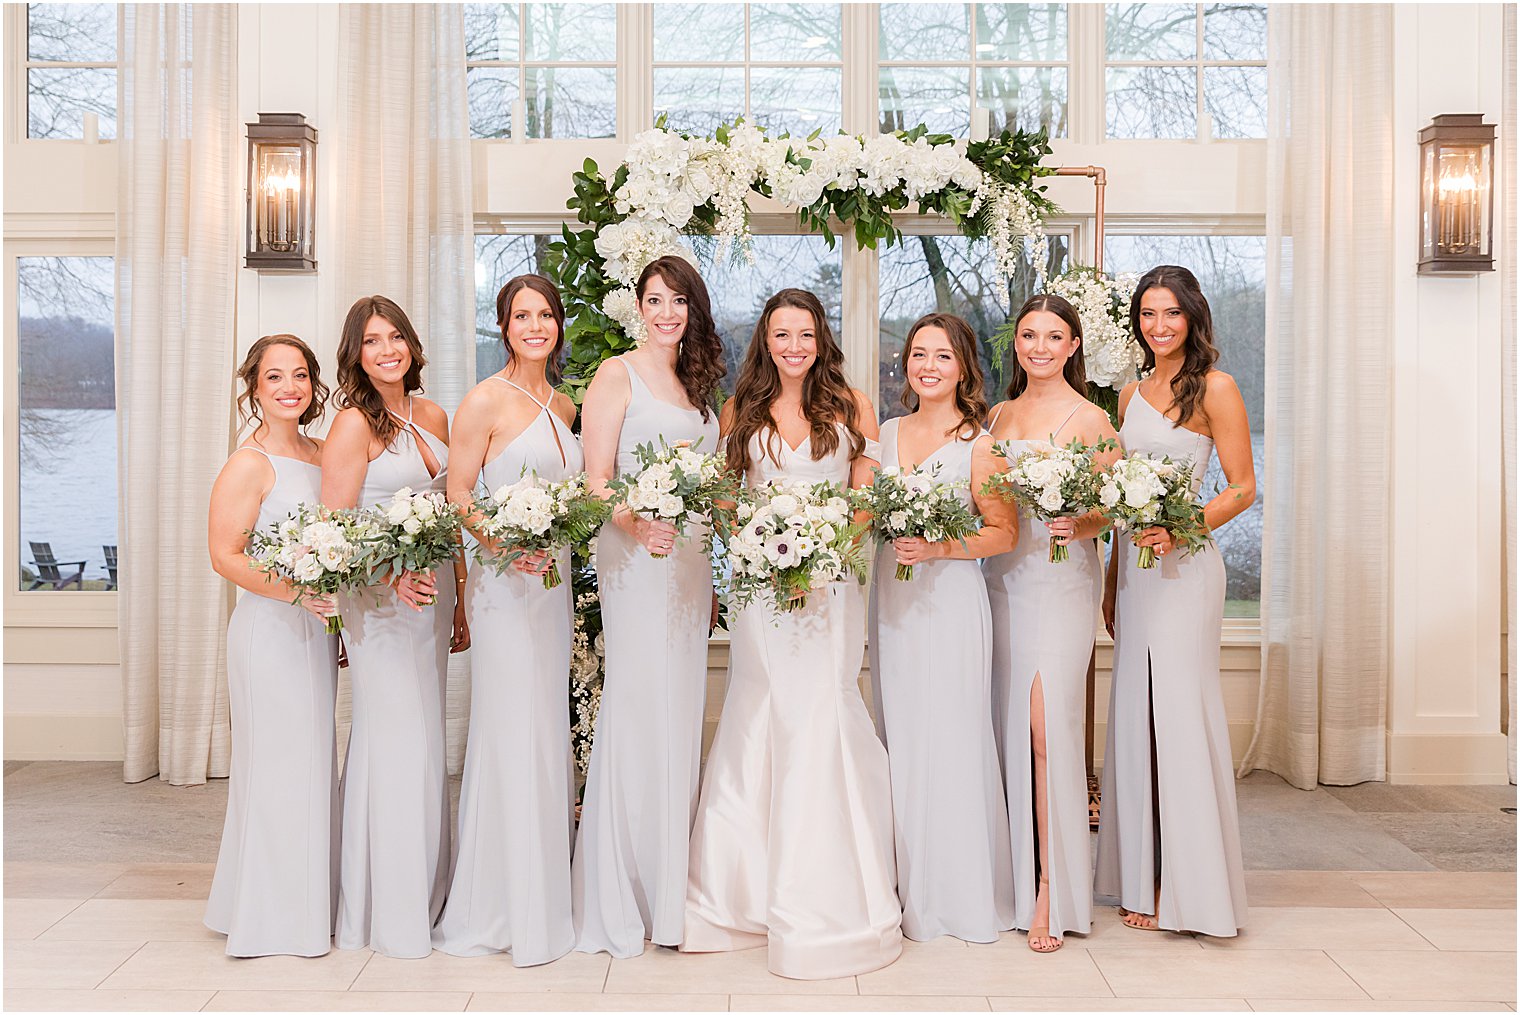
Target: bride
pixel 792 845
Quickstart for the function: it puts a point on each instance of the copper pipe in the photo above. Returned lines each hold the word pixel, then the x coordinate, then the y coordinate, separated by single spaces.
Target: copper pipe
pixel 1099 176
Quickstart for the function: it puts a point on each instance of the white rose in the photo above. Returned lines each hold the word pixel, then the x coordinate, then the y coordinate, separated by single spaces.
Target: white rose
pixel 412 526
pixel 426 509
pixel 897 521
pixel 784 505
pixel 670 505
pixel 1051 499
pixel 398 512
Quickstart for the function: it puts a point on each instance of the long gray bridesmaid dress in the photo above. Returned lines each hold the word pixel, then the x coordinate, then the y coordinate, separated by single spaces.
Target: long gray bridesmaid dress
pixel 931 647
pixel 628 878
pixel 1044 621
pixel 1166 673
pixel 275 888
pixel 395 787
pixel 510 889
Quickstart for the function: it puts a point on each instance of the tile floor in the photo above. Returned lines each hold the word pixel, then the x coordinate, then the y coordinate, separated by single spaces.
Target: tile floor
pixel 121 934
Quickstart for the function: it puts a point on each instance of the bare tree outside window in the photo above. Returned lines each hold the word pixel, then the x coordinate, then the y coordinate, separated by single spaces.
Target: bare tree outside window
pixel 559 59
pixel 70 69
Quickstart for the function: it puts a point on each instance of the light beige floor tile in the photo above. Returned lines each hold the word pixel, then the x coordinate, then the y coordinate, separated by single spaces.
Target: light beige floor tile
pixel 26 918
pixel 205 965
pixel 337 1000
pixel 1464 930
pixel 162 881
pixel 853 1002
pixel 662 971
pixel 135 920
pixel 1285 927
pixel 987 970
pixel 1107 932
pixel 1439 889
pixel 598 1002
pixel 575 972
pixel 1333 889
pixel 1409 976
pixel 1118 1004
pixel 28 880
pixel 1257 1005
pixel 57 964
pixel 105 1000
pixel 1219 973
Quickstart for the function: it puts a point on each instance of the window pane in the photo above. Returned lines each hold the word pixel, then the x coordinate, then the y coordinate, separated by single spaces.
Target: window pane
pixel 794 33
pixel 58 97
pixel 698 99
pixel 571 32
pixel 1151 31
pixel 937 96
pixel 1236 98
pixel 67 401
pixel 1235 32
pixel 498 259
pixel 927 274
pixel 925 32
pixel 1232 273
pixel 705 32
pixel 1027 97
pixel 571 101
pixel 1152 102
pixel 799 100
pixel 490 31
pixel 491 92
pixel 1018 32
pixel 72 33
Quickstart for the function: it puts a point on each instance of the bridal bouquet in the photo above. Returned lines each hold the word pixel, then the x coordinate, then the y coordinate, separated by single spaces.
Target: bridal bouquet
pixel 319 551
pixel 679 485
pixel 1140 491
pixel 792 538
pixel 915 504
pixel 533 515
pixel 415 532
pixel 1051 482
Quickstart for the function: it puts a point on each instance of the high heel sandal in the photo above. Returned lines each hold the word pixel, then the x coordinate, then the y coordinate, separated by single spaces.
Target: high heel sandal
pixel 1044 930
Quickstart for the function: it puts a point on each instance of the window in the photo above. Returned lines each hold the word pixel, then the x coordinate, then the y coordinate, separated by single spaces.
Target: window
pixel 554 65
pixel 67 409
pixel 1170 64
pixel 70 69
pixel 939 59
pixel 1232 270
pixel 779 65
pixel 500 257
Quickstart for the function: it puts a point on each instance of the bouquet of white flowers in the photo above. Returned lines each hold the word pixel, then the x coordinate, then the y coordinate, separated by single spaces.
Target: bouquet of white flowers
pixel 915 504
pixel 678 485
pixel 792 538
pixel 1141 490
pixel 318 550
pixel 1051 482
pixel 415 532
pixel 534 514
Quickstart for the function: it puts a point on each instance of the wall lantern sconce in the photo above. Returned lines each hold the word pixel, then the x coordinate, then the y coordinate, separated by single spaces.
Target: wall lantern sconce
pixel 282 173
pixel 1457 195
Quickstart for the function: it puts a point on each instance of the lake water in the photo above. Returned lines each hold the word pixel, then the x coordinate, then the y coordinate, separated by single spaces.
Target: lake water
pixel 70 500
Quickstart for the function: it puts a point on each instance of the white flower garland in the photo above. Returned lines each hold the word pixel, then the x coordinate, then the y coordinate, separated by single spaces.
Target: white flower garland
pixel 1102 304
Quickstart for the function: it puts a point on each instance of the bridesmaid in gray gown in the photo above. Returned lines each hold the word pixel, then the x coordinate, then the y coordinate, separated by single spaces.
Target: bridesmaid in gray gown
pixel 628 879
pixel 510 889
pixel 275 889
pixel 931 646
pixel 395 790
pixel 1169 839
pixel 1044 618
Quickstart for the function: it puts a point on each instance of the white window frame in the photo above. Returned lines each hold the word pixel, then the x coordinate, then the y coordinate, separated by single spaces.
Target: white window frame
pixel 17 29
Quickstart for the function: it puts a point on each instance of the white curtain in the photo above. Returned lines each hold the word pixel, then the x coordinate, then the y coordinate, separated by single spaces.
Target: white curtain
pixel 408 228
pixel 1508 170
pixel 1325 596
pixel 176 265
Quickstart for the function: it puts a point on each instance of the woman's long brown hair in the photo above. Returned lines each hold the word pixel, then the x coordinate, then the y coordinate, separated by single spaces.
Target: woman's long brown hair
pixel 1075 370
pixel 1198 352
pixel 969 396
pixel 355 389
pixel 826 395
pixel 248 404
pixel 699 361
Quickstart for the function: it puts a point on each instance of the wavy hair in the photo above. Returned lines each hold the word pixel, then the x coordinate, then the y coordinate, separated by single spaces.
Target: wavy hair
pixel 555 366
pixel 1198 352
pixel 970 398
pixel 826 395
pixel 248 403
pixel 1075 370
pixel 699 360
pixel 355 389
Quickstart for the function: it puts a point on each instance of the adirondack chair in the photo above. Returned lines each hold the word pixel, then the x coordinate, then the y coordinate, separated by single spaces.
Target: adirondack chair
pixel 50 570
pixel 110 567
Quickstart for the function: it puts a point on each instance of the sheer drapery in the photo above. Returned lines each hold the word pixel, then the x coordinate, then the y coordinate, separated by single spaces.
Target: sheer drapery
pixel 1325 576
pixel 1507 323
pixel 408 226
pixel 176 267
